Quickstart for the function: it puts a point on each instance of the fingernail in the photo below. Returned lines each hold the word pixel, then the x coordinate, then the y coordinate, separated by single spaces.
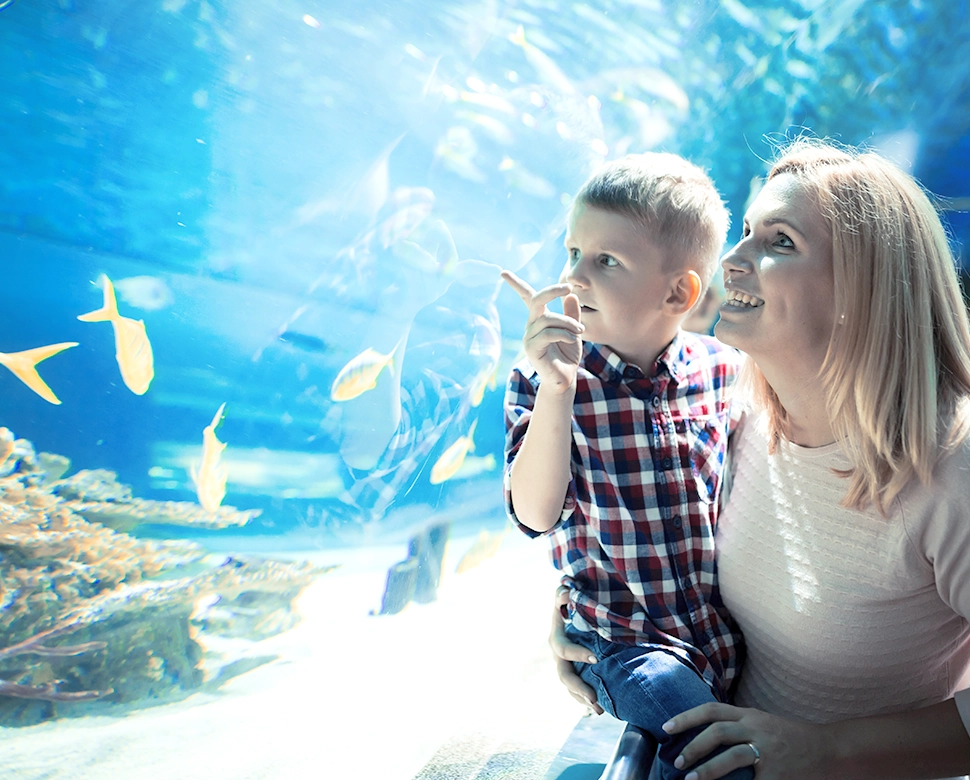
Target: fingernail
pixel 668 726
pixel 591 659
pixel 679 762
pixel 690 776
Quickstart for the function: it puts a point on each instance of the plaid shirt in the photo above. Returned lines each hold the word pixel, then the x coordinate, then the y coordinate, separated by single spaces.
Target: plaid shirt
pixel 636 538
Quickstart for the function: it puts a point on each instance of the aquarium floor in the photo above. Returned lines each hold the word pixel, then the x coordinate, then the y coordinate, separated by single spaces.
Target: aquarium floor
pixel 463 681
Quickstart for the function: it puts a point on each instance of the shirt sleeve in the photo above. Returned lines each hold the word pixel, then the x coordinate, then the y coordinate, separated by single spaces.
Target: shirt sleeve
pixel 520 396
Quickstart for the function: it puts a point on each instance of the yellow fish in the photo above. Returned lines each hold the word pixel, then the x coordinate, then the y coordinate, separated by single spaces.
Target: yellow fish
pixel 22 364
pixel 210 479
pixel 360 374
pixel 487 379
pixel 452 458
pixel 484 547
pixel 133 350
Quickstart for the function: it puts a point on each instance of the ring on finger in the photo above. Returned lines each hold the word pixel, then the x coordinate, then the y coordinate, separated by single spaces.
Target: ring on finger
pixel 757 753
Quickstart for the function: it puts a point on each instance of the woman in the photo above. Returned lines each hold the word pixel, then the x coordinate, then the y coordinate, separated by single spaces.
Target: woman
pixel 844 550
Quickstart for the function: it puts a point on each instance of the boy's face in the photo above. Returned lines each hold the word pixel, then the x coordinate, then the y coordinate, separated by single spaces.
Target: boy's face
pixel 617 274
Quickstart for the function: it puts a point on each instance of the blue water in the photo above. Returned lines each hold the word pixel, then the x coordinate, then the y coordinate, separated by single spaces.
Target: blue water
pixel 253 172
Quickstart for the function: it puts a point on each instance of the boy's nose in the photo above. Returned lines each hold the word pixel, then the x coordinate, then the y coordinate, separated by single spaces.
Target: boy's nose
pixel 572 274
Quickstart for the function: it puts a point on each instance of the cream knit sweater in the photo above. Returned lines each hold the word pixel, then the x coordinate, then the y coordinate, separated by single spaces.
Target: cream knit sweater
pixel 844 613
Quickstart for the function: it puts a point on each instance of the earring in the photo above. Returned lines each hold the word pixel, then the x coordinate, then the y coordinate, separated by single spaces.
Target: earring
pixel 842 318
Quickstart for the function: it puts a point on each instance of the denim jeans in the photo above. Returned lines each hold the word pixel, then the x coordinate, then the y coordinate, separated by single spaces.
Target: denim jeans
pixel 646 687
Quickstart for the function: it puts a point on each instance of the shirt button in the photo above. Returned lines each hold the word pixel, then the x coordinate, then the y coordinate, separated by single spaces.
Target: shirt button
pixel 677 521
pixel 656 402
pixel 667 464
pixel 685 583
pixel 629 372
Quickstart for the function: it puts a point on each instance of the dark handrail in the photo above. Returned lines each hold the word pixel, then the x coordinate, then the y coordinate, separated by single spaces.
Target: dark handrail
pixel 632 756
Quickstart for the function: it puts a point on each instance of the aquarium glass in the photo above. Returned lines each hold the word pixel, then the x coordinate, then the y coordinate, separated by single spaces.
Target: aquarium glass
pixel 254 345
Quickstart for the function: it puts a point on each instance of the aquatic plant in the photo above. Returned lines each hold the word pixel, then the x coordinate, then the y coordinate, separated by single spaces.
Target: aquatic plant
pixel 88 611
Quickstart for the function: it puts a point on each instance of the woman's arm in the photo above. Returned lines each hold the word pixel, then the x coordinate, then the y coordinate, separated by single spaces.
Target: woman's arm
pixel 927 743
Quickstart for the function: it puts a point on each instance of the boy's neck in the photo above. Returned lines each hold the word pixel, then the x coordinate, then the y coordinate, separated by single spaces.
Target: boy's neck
pixel 645 358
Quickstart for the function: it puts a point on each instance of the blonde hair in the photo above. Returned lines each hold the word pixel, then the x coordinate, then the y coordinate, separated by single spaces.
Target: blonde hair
pixel 673 199
pixel 896 375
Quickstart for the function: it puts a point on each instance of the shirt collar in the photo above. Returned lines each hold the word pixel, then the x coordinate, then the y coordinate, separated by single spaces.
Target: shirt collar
pixel 605 363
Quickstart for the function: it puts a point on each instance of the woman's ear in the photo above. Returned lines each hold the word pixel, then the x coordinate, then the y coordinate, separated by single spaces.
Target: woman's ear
pixel 684 292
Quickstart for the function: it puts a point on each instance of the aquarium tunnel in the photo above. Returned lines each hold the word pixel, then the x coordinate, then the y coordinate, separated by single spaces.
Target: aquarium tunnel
pixel 254 346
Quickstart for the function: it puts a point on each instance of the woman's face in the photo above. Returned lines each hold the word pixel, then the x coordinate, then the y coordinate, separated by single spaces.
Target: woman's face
pixel 778 280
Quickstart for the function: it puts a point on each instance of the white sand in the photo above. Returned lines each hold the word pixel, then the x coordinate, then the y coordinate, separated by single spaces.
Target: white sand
pixel 350 695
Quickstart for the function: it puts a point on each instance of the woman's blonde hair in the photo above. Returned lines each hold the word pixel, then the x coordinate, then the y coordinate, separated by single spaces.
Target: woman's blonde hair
pixel 897 372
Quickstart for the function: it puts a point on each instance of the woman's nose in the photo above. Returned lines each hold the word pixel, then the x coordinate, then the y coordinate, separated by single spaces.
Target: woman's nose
pixel 734 260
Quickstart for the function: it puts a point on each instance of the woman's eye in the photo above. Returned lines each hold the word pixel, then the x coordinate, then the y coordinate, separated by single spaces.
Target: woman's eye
pixel 783 241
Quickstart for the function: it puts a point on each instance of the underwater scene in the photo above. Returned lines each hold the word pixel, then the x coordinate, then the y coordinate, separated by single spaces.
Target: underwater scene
pixel 254 343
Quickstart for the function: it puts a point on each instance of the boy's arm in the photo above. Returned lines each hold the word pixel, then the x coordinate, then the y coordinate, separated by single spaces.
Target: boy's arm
pixel 540 471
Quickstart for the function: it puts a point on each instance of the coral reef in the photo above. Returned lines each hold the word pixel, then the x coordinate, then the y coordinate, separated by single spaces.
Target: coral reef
pixel 88 611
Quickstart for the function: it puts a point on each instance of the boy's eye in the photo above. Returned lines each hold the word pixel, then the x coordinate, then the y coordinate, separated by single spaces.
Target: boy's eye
pixel 573 255
pixel 608 261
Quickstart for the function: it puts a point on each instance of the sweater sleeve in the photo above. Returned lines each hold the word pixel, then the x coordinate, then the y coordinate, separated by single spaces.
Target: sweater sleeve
pixel 946 531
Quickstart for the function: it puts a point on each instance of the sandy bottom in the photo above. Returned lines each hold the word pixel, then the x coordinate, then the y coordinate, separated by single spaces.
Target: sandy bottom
pixel 348 694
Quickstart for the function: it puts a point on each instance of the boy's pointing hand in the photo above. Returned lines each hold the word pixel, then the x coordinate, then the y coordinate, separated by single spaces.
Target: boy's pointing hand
pixel 552 341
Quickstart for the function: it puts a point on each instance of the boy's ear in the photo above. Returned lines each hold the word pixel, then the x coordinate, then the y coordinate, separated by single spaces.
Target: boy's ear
pixel 684 292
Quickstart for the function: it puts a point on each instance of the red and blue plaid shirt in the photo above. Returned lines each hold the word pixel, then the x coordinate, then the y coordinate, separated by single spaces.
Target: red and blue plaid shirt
pixel 636 538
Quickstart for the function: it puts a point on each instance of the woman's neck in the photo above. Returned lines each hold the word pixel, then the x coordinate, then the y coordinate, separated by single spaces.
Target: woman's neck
pixel 803 399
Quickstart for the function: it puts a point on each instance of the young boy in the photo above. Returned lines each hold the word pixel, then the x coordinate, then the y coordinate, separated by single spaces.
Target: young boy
pixel 616 431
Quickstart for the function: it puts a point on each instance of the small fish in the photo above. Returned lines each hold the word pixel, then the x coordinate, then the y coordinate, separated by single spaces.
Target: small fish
pixel 305 341
pixel 133 350
pixel 550 73
pixel 22 364
pixel 210 478
pixel 484 547
pixel 452 458
pixel 474 465
pixel 145 292
pixel 487 379
pixel 360 374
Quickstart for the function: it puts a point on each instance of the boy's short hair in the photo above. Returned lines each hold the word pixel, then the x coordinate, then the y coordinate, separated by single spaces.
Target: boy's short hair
pixel 672 198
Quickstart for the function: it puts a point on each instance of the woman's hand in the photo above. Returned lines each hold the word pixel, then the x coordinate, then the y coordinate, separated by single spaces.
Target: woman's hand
pixel 566 652
pixel 788 749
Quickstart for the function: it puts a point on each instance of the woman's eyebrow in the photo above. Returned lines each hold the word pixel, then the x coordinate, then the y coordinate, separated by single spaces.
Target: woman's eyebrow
pixel 772 221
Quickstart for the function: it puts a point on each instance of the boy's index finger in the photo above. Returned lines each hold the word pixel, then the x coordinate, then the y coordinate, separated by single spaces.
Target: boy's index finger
pixel 522 287
pixel 535 299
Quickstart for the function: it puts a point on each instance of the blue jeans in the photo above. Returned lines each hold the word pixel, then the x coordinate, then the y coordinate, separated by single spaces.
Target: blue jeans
pixel 646 687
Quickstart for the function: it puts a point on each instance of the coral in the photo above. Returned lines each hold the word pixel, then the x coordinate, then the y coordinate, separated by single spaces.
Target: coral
pixel 97 495
pixel 88 611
